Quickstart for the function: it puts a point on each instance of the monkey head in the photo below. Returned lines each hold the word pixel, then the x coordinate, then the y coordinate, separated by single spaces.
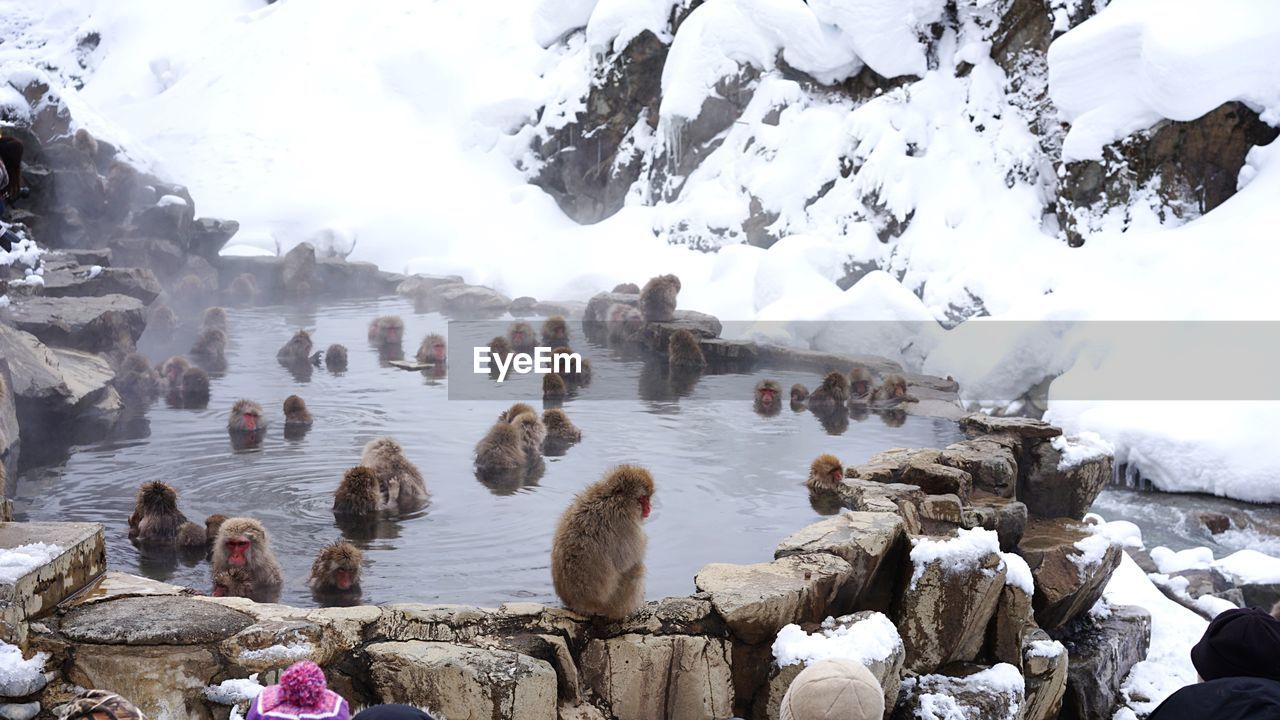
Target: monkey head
pixel 767 392
pixel 896 386
pixel 435 348
pixel 553 387
pixel 388 329
pixel 521 335
pixel 212 525
pixel 173 369
pixel 555 420
pixel 338 566
pixel 555 331
pixel 836 382
pixel 157 497
pixel 799 393
pixel 239 542
pixel 827 471
pixel 860 381
pixel 215 317
pixel 631 485
pixel 516 410
pixel 246 415
pixel 294 405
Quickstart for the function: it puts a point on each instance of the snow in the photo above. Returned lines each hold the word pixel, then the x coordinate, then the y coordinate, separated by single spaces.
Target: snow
pixel 1046 648
pixel 95 271
pixel 1249 567
pixel 236 690
pixel 965 551
pixel 168 200
pixel 17 562
pixel 869 640
pixel 280 654
pixel 1119 532
pixel 1168 562
pixel 885 34
pixel 1081 448
pixel 19 676
pixel 1092 551
pixel 999 679
pixel 1019 573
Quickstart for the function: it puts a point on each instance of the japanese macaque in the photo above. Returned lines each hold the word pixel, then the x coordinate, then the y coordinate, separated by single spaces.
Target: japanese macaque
pixel 386 330
pixel 622 321
pixel 242 291
pixel 892 390
pixel 627 288
pixel 358 494
pixel 831 395
pixel 137 382
pixel 859 386
pixel 658 298
pixel 554 388
pixel 499 347
pixel 210 350
pixel 87 145
pixel 684 352
pixel 212 524
pixel 242 544
pixel 432 351
pixel 171 372
pixel 561 432
pixel 521 336
pixel 336 570
pixel 555 332
pixel 295 412
pixel 163 322
pixel 335 358
pixel 572 373
pixel 510 413
pixel 500 450
pixel 399 480
pixel 597 556
pixel 214 317
pixel 768 397
pixel 122 185
pixel 826 473
pixel 192 292
pixel 195 388
pixel 246 417
pixel 532 433
pixel 233 582
pixel 191 535
pixel 799 397
pixel 156 517
pixel 296 352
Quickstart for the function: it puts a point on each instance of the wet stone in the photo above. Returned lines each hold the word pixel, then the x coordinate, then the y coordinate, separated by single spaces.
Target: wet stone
pixel 153 621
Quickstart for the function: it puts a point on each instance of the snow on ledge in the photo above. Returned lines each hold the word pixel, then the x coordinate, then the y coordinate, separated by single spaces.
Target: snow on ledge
pixel 17 562
pixel 963 552
pixel 869 640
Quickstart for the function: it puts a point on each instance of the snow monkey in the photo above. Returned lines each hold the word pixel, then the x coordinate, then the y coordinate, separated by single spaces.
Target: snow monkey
pixel 500 450
pixel 191 535
pixel 337 569
pixel 555 332
pixel 517 409
pixel 210 349
pixel 684 352
pixel 768 397
pixel 156 517
pixel 137 381
pixel 859 385
pixel 892 390
pixel 831 395
pixel 358 494
pixel 211 526
pixel 622 321
pixel 561 432
pixel 627 288
pixel 499 347
pixel 658 298
pixel 171 372
pixel 246 417
pixel 214 317
pixel 87 145
pixel 335 358
pixel 296 413
pixel 164 321
pixel 826 473
pixel 553 388
pixel 297 351
pixel 195 388
pixel 399 481
pixel 243 545
pixel 597 556
pixel 242 291
pixel 521 336
pixel 799 397
pixel 432 351
pixel 386 330
pixel 572 373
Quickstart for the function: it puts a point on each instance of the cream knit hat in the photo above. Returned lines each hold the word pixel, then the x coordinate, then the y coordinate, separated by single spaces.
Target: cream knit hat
pixel 833 690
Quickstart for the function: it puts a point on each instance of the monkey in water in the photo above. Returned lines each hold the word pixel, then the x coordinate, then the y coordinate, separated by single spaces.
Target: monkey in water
pixel 555 332
pixel 242 291
pixel 214 317
pixel 622 322
pixel 658 298
pixel 768 397
pixel 297 351
pixel 859 386
pixel 191 292
pixel 358 494
pixel 212 524
pixel 171 372
pixel 335 358
pixel 403 488
pixel 892 391
pixel 799 397
pixel 156 517
pixel 510 413
pixel 500 450
pixel 137 382
pixel 597 556
pixel 521 336
pixel 561 432
pixel 195 388
pixel 499 348
pixel 825 473
pixel 191 537
pixel 554 388
pixel 335 574
pixel 295 412
pixel 627 288
pixel 684 353
pixel 572 373
pixel 210 350
pixel 246 417
pixel 386 330
pixel 163 323
pixel 243 545
pixel 831 395
pixel 432 351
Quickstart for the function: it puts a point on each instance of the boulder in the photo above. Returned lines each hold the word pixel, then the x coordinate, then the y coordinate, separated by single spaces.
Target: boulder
pixel 1012 621
pixel 1263 595
pixel 937 479
pixel 1071 567
pixel 1044 666
pixel 1053 488
pixel 19 711
pixel 168 219
pixel 1215 522
pixel 877 496
pixel 730 354
pixel 884 660
pixel 10 444
pixel 164 681
pixel 654 335
pixel 862 539
pixel 568 309
pixel 758 600
pixel 463 682
pixel 39 381
pixel 298 273
pixel 465 301
pixel 645 677
pixel 685 615
pixel 99 324
pixel 978 424
pixel 415 285
pixel 1007 517
pixel 598 305
pixel 163 256
pixel 994 693
pixel 823 362
pixel 154 620
pixel 947 603
pixel 990 462
pixel 347 278
pixel 522 306
pixel 79 281
pixel 1101 653
pixel 210 235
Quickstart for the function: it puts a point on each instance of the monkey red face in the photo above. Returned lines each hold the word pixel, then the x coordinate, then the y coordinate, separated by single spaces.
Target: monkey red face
pixel 343 578
pixel 837 475
pixel 644 506
pixel 174 373
pixel 766 397
pixel 900 390
pixel 437 350
pixel 517 337
pixel 238 551
pixel 250 422
pixel 393 334
pixel 860 387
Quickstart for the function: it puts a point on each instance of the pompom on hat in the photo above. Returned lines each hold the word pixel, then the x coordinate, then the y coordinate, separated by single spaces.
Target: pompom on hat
pixel 302 692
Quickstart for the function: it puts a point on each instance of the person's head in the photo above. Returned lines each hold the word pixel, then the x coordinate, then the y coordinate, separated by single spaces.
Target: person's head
pixel 1244 642
pixel 833 690
pixel 99 705
pixel 11 156
pixel 392 712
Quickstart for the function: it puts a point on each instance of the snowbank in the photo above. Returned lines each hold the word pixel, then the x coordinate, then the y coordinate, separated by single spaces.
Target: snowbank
pixel 16 562
pixel 866 641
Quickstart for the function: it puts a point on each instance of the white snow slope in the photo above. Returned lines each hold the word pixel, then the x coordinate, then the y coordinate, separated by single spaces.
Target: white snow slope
pixel 405 124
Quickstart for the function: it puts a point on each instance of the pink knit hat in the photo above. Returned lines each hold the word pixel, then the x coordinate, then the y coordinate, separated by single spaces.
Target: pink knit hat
pixel 301 695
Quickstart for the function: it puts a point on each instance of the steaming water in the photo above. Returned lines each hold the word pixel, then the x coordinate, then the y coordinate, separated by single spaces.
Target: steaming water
pixel 729 481
pixel 1172 520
